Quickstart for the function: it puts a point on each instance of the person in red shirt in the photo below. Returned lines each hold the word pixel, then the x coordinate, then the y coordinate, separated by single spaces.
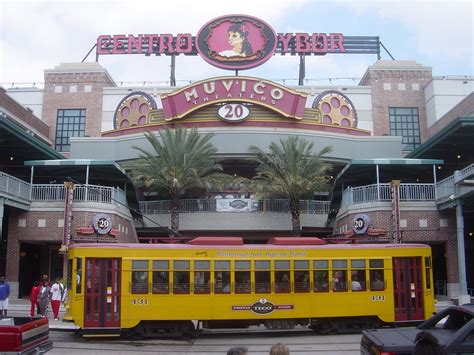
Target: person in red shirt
pixel 34 298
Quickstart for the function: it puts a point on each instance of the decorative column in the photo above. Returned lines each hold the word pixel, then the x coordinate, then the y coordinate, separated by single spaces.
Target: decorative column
pixel 395 191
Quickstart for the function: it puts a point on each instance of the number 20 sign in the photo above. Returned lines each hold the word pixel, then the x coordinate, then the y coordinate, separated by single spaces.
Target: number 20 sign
pixel 233 112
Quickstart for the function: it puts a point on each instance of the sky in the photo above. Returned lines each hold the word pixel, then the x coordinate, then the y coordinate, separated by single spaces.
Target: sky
pixel 39 34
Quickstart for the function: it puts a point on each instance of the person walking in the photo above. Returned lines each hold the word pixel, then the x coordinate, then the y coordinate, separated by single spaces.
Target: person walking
pixel 43 298
pixel 57 292
pixel 35 290
pixel 4 294
pixel 237 350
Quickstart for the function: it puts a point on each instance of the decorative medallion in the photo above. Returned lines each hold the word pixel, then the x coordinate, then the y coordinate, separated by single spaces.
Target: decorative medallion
pixel 133 110
pixel 236 42
pixel 360 223
pixel 102 223
pixel 337 109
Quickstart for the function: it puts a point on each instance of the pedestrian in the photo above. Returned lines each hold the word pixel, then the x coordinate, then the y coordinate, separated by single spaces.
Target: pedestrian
pixel 57 293
pixel 237 350
pixel 43 298
pixel 279 349
pixel 427 344
pixel 34 298
pixel 4 294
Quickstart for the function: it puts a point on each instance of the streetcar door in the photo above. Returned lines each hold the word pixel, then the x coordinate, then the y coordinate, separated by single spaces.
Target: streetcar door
pixel 102 293
pixel 407 288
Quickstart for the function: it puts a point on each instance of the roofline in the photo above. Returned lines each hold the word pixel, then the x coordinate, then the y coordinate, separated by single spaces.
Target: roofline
pixel 75 162
pixel 388 161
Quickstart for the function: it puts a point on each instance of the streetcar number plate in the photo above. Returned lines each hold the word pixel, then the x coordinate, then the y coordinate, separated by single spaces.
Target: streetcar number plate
pixel 139 301
pixel 377 298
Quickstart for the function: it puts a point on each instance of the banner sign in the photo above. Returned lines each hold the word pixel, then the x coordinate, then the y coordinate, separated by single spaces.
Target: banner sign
pixel 278 98
pixel 234 204
pixel 236 42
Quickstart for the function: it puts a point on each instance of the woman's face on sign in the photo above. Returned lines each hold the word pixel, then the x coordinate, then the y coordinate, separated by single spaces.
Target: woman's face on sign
pixel 234 38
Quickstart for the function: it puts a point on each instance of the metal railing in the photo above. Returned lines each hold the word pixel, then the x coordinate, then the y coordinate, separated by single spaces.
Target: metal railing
pixel 447 187
pixel 14 186
pixel 89 193
pixel 56 192
pixel 382 192
pixel 209 205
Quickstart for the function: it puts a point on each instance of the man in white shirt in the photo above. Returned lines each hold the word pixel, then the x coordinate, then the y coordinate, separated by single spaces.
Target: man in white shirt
pixel 57 291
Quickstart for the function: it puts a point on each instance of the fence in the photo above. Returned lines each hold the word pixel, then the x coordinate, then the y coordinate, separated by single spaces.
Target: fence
pixel 209 205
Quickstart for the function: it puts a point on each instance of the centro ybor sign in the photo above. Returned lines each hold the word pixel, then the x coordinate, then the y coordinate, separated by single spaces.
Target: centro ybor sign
pixel 233 89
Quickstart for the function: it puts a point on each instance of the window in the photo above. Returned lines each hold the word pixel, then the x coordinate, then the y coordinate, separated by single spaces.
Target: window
pixel 69 123
pixel 181 276
pixel 339 275
pixel 139 276
pixel 405 122
pixel 202 276
pixel 358 281
pixel 222 276
pixel 262 276
pixel 301 279
pixel 428 271
pixel 282 276
pixel 161 277
pixel 377 279
pixel 321 275
pixel 242 276
pixel 78 275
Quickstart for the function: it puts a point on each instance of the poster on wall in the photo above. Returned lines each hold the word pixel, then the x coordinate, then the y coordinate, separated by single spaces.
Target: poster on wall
pixel 233 204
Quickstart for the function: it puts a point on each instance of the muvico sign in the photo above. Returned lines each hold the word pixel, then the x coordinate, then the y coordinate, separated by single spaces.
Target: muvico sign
pixel 278 98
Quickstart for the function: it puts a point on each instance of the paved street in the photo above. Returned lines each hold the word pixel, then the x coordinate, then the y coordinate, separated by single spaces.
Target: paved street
pixel 299 342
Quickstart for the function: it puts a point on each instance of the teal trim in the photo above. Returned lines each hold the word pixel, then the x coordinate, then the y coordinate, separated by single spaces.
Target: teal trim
pixel 19 132
pixel 460 122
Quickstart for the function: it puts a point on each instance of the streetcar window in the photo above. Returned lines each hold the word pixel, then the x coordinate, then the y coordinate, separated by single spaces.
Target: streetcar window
pixel 202 276
pixel 181 276
pixel 339 275
pixel 358 279
pixel 69 274
pixel 161 277
pixel 242 276
pixel 321 275
pixel 222 276
pixel 139 276
pixel 427 272
pixel 282 276
pixel 377 277
pixel 262 276
pixel 301 275
pixel 78 275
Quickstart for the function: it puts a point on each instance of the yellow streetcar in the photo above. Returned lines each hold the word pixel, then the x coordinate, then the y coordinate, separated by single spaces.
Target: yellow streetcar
pixel 174 289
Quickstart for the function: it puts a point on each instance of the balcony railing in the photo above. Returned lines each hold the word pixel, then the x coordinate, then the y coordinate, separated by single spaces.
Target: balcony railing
pixel 209 205
pixel 382 192
pixel 56 192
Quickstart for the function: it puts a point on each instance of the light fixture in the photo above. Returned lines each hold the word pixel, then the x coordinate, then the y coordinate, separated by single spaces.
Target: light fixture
pixel 470 234
pixel 11 158
pixel 459 156
pixel 439 167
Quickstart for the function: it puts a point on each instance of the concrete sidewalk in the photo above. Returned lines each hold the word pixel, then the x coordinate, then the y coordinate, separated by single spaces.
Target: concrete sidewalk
pixel 21 308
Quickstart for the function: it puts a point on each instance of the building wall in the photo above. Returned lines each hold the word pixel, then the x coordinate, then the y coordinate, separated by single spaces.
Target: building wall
pixel 397 84
pixel 31 98
pixel 444 93
pixel 75 86
pixel 421 222
pixel 45 224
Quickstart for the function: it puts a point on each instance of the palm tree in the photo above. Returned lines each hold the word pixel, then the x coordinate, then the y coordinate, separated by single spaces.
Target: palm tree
pixel 290 170
pixel 181 160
